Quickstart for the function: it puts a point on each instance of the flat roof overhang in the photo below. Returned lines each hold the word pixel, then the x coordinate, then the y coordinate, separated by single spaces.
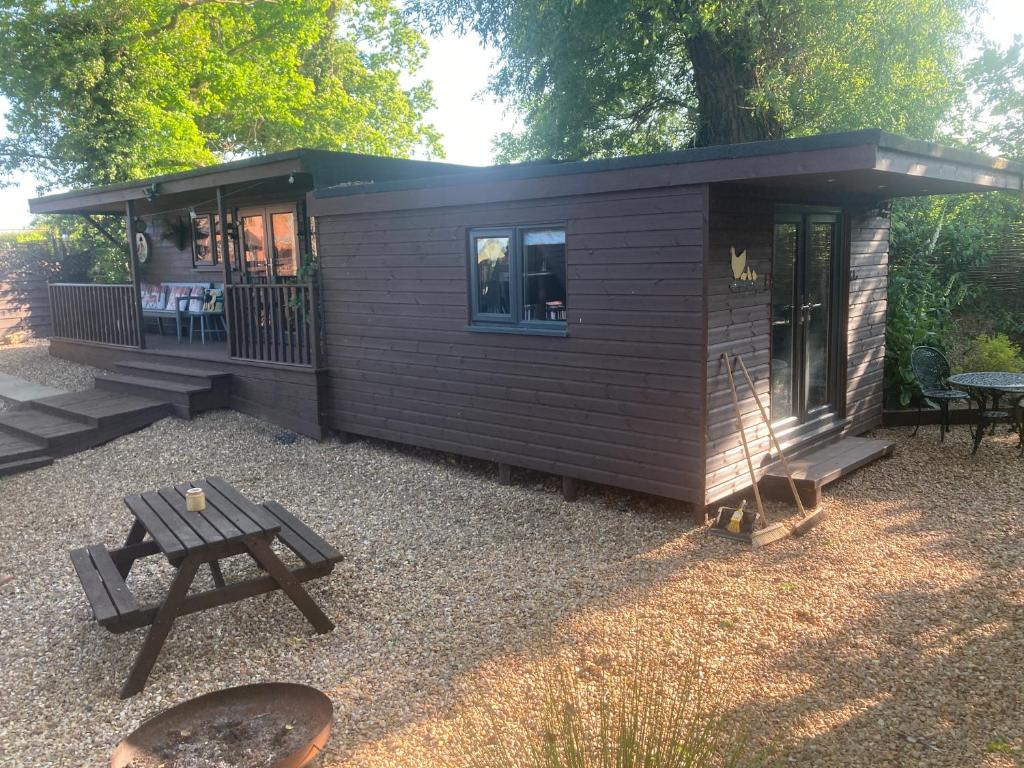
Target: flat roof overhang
pixel 297 170
pixel 866 164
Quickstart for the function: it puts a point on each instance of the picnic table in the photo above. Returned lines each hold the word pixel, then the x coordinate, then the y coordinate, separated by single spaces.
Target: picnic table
pixel 230 525
pixel 987 389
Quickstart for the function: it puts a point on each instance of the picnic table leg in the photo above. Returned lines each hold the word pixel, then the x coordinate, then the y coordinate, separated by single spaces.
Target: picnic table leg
pixel 265 556
pixel 135 536
pixel 161 627
pixel 218 575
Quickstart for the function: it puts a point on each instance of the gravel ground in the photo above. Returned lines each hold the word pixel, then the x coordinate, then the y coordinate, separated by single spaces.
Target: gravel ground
pixel 893 634
pixel 31 361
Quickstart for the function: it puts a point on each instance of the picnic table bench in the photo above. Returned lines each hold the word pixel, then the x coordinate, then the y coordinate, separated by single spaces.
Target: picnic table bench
pixel 230 525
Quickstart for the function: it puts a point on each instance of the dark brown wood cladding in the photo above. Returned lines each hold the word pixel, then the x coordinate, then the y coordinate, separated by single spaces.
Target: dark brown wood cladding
pixel 616 401
pixel 168 264
pixel 738 324
pixel 865 331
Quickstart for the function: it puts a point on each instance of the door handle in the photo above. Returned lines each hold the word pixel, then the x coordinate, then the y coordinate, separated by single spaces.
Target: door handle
pixel 805 312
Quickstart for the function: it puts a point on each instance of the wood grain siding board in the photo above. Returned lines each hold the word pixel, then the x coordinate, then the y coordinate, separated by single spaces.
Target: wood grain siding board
pixel 865 331
pixel 616 401
pixel 738 324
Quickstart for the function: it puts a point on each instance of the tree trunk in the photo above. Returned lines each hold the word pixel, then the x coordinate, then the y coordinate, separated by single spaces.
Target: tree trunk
pixel 723 78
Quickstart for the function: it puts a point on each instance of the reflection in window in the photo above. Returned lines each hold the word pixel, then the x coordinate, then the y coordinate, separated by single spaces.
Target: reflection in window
pixel 203 254
pixel 518 277
pixel 492 270
pixel 286 252
pixel 253 245
pixel 544 275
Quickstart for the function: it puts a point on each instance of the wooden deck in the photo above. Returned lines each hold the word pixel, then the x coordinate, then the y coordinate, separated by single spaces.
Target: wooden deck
pixel 816 469
pixel 290 396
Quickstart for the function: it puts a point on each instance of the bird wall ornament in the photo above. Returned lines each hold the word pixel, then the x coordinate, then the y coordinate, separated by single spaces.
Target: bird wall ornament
pixel 744 275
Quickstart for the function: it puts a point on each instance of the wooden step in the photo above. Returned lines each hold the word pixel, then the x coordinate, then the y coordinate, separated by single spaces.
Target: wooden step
pixel 24 465
pixel 15 448
pixel 186 398
pixel 818 467
pixel 172 372
pixel 47 430
pixel 101 408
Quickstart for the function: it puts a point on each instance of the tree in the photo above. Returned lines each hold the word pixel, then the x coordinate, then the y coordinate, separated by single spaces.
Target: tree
pixel 106 90
pixel 623 76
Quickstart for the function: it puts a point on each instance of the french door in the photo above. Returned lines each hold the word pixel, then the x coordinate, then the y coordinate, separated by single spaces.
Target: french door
pixel 805 315
pixel 270 242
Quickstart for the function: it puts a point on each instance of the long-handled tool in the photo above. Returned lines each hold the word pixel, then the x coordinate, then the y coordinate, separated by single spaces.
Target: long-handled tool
pixel 808 519
pixel 756 537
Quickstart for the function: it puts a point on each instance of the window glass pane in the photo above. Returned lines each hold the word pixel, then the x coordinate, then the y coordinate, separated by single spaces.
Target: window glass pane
pixel 784 319
pixel 544 275
pixel 253 245
pixel 203 244
pixel 286 252
pixel 492 270
pixel 217 243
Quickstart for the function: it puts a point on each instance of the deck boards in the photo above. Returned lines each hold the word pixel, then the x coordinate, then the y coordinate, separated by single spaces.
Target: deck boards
pixel 813 471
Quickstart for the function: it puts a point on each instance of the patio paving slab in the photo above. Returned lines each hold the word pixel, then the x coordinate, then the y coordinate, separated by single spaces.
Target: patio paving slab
pixel 15 390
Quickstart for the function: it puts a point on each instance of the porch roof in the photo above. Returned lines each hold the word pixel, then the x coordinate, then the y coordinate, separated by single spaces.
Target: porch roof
pixel 869 164
pixel 299 170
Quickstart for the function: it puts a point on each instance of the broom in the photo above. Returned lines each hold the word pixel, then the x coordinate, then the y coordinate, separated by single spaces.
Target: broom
pixel 808 519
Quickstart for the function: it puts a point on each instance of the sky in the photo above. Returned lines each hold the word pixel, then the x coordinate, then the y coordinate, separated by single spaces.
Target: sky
pixel 466 115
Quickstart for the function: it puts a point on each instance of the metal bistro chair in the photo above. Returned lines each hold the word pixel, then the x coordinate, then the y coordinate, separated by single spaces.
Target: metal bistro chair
pixel 931 369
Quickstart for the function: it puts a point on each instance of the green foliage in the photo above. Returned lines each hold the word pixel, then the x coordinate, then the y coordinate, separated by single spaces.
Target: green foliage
pixel 651 714
pixel 920 311
pixel 608 78
pixel 106 90
pixel 993 353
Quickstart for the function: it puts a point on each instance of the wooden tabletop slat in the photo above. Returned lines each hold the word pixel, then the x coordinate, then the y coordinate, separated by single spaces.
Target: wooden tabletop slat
pixel 215 500
pixel 194 533
pixel 225 528
pixel 169 543
pixel 254 511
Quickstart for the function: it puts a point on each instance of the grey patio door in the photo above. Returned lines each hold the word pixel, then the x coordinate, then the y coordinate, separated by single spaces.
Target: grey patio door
pixel 804 315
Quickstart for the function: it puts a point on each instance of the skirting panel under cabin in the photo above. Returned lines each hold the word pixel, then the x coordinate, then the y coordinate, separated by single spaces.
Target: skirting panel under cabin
pixel 615 401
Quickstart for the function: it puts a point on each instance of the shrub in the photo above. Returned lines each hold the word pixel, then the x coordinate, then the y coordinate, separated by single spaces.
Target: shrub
pixel 651 714
pixel 993 353
pixel 920 310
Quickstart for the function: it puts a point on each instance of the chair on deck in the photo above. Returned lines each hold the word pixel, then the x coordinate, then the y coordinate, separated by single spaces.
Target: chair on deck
pixel 209 311
pixel 931 369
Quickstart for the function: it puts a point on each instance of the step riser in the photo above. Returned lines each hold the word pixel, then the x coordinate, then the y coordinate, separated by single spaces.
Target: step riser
pixel 24 465
pixel 185 404
pixel 154 392
pixel 183 376
pixel 56 410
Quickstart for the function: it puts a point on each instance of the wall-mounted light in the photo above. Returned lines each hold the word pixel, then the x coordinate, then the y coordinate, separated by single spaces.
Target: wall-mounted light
pixel 151 192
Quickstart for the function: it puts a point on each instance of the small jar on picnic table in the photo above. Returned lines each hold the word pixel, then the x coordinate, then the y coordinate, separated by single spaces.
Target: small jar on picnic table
pixel 195 500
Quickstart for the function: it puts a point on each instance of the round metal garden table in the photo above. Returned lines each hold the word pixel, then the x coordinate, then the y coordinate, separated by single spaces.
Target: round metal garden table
pixel 987 389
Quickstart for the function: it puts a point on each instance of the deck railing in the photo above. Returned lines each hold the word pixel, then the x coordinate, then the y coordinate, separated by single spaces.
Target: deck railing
pixel 274 323
pixel 98 313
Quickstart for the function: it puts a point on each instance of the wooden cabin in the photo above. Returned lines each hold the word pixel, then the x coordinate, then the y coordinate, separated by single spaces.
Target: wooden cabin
pixel 563 317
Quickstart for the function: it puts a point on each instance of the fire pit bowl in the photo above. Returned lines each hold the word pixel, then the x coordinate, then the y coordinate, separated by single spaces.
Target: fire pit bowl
pixel 268 725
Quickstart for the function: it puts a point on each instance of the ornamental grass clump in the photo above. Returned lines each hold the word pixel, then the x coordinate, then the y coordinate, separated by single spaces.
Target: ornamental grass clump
pixel 647 713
